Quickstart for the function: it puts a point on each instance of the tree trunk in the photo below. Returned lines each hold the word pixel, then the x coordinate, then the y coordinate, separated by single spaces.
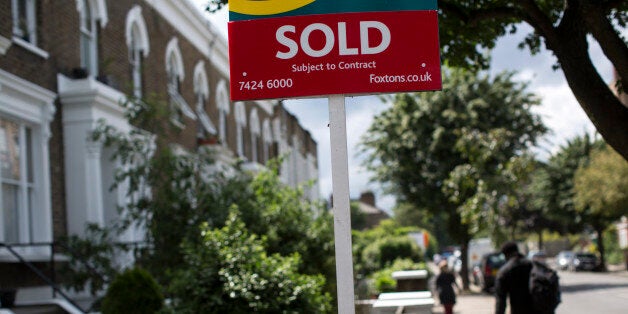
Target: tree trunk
pixel 600 247
pixel 540 240
pixel 464 258
pixel 604 109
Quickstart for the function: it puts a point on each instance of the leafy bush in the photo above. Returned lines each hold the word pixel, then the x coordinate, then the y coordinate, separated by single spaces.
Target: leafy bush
pixel 134 292
pixel 614 254
pixel 382 253
pixel 382 281
pixel 229 271
pixel 92 263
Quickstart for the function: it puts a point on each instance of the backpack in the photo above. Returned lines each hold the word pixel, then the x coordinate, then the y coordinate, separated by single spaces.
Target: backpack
pixel 544 287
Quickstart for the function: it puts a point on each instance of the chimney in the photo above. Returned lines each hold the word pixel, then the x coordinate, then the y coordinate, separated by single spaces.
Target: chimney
pixel 368 198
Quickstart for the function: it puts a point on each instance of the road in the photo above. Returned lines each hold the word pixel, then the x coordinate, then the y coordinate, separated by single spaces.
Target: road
pixel 585 292
pixel 582 293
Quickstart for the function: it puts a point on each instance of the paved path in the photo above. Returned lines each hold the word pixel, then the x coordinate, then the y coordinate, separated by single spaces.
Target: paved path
pixel 476 302
pixel 471 303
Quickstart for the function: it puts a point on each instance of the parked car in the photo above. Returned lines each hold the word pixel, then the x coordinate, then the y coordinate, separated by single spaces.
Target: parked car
pixel 538 256
pixel 564 259
pixel 485 271
pixel 583 261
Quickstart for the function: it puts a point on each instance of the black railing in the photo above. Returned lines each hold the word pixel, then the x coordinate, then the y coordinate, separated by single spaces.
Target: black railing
pixel 51 279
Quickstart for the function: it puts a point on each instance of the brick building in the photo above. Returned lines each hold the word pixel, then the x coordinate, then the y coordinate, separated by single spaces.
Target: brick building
pixel 66 64
pixel 373 215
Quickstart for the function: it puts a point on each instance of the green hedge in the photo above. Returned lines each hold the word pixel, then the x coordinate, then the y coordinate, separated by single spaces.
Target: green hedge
pixel 133 292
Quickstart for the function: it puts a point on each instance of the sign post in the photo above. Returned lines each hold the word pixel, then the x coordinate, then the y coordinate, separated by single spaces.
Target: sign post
pixel 341 206
pixel 306 48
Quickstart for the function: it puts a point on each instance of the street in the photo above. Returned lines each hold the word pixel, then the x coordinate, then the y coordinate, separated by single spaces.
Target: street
pixel 582 292
pixel 586 292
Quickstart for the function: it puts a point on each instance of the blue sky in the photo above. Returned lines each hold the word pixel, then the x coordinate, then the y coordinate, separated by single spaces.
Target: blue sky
pixel 559 110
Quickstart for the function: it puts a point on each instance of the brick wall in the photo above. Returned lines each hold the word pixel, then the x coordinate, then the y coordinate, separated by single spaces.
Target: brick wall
pixel 59 36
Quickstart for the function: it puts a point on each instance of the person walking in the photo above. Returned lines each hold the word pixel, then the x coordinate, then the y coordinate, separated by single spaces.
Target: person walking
pixel 445 282
pixel 512 281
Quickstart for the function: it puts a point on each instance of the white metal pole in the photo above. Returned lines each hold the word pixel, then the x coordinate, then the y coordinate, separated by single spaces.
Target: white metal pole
pixel 342 213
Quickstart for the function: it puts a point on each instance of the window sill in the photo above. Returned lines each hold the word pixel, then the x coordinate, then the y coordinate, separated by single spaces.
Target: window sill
pixel 178 124
pixel 33 255
pixel 5 44
pixel 30 47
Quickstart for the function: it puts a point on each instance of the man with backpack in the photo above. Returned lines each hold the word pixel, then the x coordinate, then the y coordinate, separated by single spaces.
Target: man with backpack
pixel 531 286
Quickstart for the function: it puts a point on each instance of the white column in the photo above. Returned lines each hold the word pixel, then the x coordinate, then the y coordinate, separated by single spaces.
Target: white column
pixel 93 182
pixel 342 216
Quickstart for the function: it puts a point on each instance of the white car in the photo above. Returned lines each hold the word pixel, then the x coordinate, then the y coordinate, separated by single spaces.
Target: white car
pixel 564 259
pixel 537 256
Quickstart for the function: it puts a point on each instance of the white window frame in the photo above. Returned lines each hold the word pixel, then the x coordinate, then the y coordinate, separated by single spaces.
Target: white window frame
pixel 27 32
pixel 31 106
pixel 89 39
pixel 24 184
pixel 224 107
pixel 176 74
pixel 201 90
pixel 255 130
pixel 139 46
pixel 135 60
pixel 240 117
pixel 267 139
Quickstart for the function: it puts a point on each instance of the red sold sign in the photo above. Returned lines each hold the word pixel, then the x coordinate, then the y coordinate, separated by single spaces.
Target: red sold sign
pixel 342 53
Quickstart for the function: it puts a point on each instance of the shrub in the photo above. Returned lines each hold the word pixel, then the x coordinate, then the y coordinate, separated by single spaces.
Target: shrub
pixel 614 254
pixel 134 292
pixel 229 271
pixel 382 281
pixel 382 253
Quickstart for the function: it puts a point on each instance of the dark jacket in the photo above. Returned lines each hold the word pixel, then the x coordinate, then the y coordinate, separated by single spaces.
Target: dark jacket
pixel 444 284
pixel 512 281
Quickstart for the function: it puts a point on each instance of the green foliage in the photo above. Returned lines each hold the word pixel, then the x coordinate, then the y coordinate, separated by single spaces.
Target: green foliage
pixel 91 262
pixel 448 152
pixel 551 189
pixel 469 29
pixel 466 27
pixel 230 271
pixel 382 280
pixel 457 153
pixel 383 252
pixel 171 194
pixel 601 187
pixel 134 291
pixel 614 254
pixel 379 247
pixel 601 193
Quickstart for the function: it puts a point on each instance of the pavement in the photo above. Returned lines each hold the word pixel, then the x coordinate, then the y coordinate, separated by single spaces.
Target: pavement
pixel 471 303
pixel 477 302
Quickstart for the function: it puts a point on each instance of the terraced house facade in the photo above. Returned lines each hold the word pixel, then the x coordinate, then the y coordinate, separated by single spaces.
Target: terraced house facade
pixel 66 64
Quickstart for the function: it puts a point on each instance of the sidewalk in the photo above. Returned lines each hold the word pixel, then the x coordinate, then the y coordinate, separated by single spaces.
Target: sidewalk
pixel 471 303
pixel 476 302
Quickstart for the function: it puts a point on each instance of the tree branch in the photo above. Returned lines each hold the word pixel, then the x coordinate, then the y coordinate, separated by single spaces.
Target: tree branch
pixel 612 4
pixel 472 17
pixel 611 43
pixel 539 21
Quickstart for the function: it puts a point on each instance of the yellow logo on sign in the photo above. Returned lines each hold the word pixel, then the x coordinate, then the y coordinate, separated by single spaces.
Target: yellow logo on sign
pixel 266 7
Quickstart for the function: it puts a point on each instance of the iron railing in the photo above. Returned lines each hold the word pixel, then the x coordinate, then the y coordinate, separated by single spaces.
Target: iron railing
pixel 51 279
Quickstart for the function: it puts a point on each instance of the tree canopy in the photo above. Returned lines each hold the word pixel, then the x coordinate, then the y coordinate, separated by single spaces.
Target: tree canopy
pixel 601 192
pixel 444 151
pixel 561 26
pixel 552 187
pixel 467 28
